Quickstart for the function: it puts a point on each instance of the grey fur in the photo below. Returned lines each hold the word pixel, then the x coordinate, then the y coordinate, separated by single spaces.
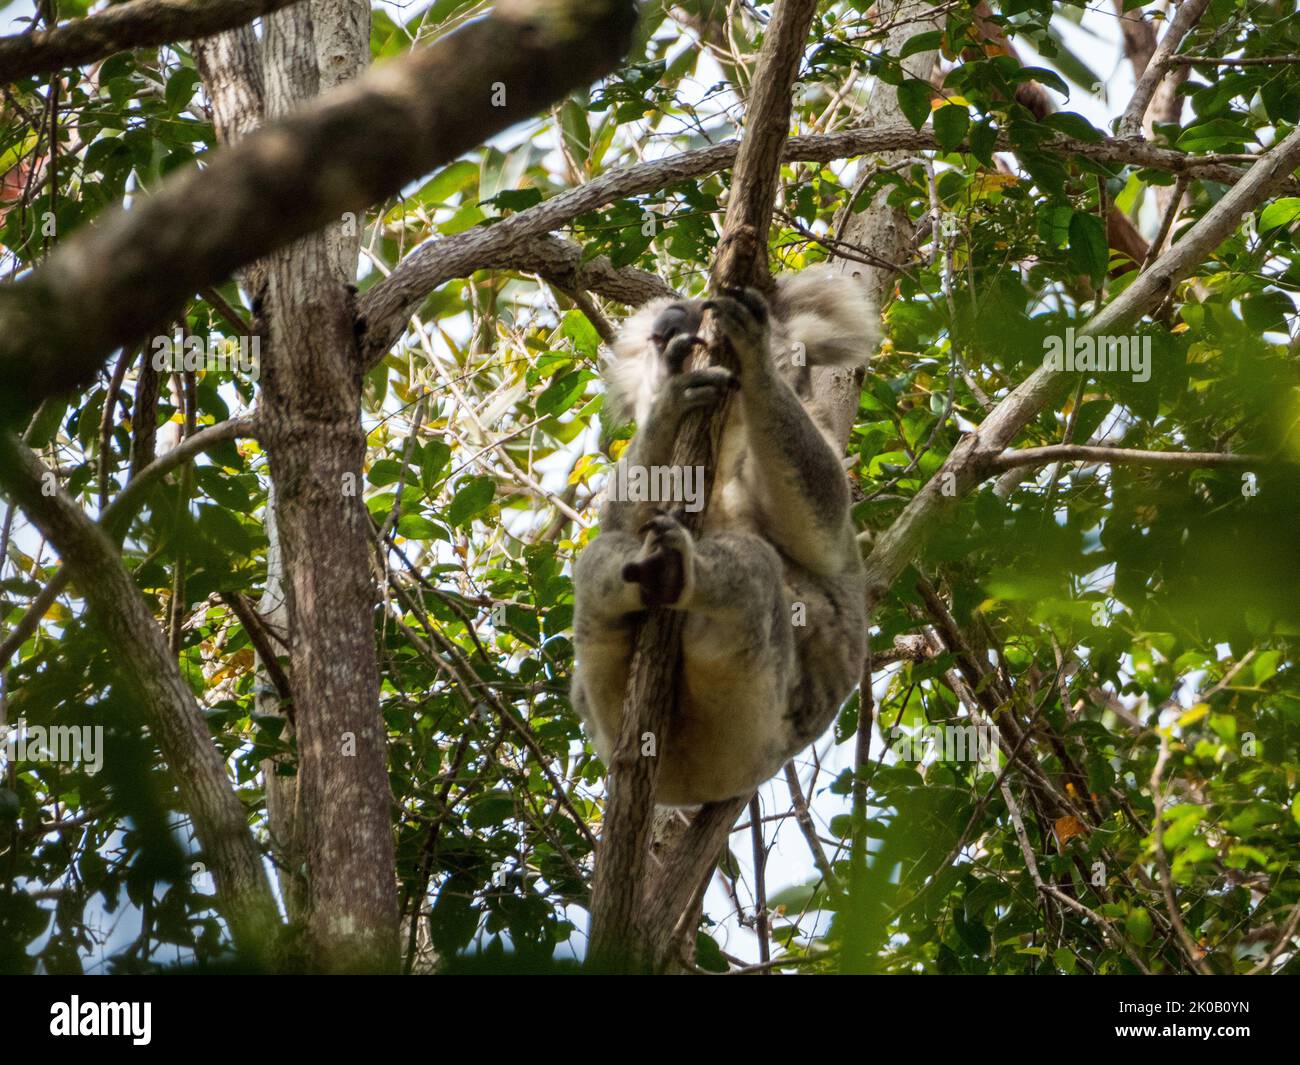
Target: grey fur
pixel 828 312
pixel 773 587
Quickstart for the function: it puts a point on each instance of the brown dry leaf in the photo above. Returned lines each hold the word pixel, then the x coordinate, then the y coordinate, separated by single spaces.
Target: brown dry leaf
pixel 1066 827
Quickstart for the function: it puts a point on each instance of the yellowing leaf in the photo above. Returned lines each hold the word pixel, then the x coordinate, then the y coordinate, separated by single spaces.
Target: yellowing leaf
pixel 986 181
pixel 1068 827
pixel 583 465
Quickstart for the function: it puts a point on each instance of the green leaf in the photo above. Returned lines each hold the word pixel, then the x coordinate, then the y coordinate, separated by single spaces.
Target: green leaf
pixel 708 955
pixel 581 333
pixel 921 42
pixel 1073 125
pixel 560 395
pixel 449 182
pixel 1138 926
pixel 180 88
pixel 1216 135
pixel 914 101
pixel 1267 312
pixel 1089 252
pixel 385 471
pixel 983 139
pixel 950 124
pixel 437 457
pixel 473 497
pixel 1279 213
pixel 1048 78
pixel 491 809
pixel 514 199
pixel 418 527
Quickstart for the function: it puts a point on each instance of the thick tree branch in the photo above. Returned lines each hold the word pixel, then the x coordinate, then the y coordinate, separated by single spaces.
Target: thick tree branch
pixel 560 262
pixel 114 281
pixel 386 308
pixel 139 24
pixel 230 65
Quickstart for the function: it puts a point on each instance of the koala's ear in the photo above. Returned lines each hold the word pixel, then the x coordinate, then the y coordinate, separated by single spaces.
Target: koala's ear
pixel 829 314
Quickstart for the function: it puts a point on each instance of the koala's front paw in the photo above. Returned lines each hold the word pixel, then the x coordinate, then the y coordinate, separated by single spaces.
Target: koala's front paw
pixel 743 318
pixel 702 388
pixel 663 567
pixel 680 348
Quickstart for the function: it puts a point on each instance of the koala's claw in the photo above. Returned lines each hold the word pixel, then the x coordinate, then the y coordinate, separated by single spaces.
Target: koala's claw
pixel 679 349
pixel 740 303
pixel 704 388
pixel 665 527
pixel 743 320
pixel 661 567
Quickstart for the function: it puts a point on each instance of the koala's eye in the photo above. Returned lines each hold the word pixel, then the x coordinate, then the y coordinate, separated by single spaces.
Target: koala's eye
pixel 673 321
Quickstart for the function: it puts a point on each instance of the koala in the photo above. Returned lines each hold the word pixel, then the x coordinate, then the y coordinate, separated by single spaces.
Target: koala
pixel 773 588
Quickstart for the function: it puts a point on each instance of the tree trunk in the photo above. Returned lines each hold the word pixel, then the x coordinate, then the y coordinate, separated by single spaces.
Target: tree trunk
pixel 311 402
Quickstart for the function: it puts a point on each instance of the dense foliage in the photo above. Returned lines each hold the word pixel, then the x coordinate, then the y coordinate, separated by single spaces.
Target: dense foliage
pixel 1135 625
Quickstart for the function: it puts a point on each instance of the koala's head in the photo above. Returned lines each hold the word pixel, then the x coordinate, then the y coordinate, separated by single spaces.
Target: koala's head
pixel 638 369
pixel 676 318
pixel 819 317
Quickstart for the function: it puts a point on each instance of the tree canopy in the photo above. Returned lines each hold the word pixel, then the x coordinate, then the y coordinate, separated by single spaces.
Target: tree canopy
pixel 1074 462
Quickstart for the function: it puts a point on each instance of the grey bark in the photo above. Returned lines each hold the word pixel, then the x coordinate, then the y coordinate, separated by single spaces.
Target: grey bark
pixel 140 24
pixel 113 282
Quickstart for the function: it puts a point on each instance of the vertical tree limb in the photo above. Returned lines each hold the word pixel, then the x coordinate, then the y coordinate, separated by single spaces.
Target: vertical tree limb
pixel 624 933
pixel 341 816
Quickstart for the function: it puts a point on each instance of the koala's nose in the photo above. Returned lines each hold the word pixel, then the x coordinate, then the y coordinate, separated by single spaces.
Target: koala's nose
pixel 673 321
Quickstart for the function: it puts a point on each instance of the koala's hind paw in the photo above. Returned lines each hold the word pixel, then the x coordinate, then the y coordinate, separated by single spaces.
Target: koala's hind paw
pixel 663 566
